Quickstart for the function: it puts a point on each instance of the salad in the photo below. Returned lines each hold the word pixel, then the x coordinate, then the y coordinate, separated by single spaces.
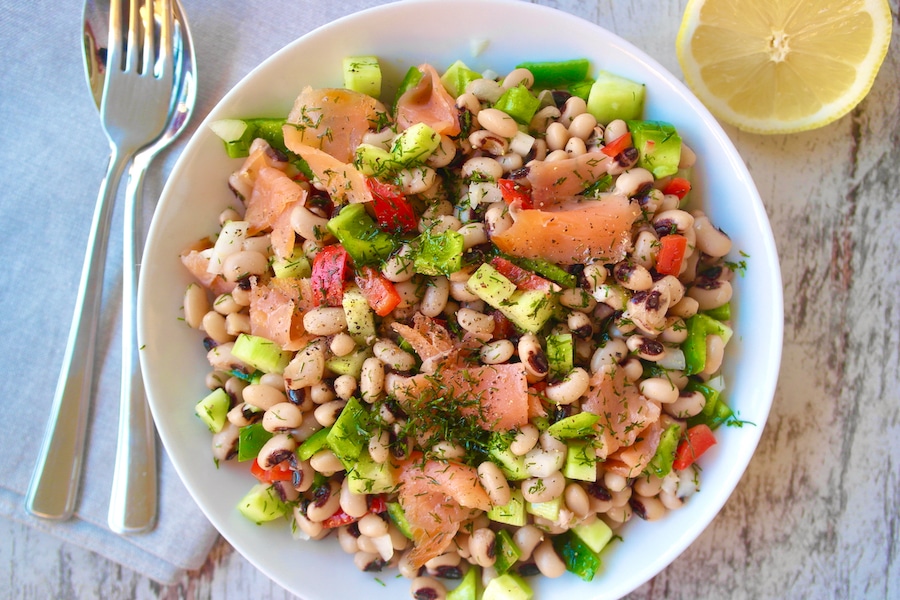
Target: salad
pixel 469 331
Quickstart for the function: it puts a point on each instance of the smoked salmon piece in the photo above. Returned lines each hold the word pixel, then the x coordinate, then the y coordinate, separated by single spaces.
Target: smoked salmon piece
pixel 428 102
pixel 332 120
pixel 196 261
pixel 495 395
pixel 343 182
pixel 269 207
pixel 624 412
pixel 558 181
pixel 573 232
pixel 276 311
pixel 437 497
pixel 631 461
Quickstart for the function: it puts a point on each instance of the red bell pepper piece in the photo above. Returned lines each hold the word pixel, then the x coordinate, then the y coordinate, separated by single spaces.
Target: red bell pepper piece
pixel 378 290
pixel 280 472
pixel 376 504
pixel 699 439
pixel 513 191
pixel 330 269
pixel 679 186
pixel 393 211
pixel 523 278
pixel 615 147
pixel 671 254
pixel 503 327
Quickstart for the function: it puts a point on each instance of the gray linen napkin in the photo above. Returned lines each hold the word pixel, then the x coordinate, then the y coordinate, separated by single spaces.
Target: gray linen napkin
pixel 52 157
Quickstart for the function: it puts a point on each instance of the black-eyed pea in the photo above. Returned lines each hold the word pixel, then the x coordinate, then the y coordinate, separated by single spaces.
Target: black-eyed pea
pixel 279 447
pixel 578 299
pixel 474 321
pixel 326 414
pixel 517 77
pixel 437 292
pixel 715 354
pixel 512 160
pixel 649 509
pixel 575 147
pixel 557 136
pixel 497 218
pixel 308 225
pixel 647 485
pixel 486 90
pixel 645 348
pixel 658 389
pixel 582 126
pixel 543 118
pixel 282 417
pixel 525 440
pixel 237 323
pixel 533 356
pixel 614 482
pixel 379 446
pixel 345 386
pixel 632 368
pixel 325 320
pixel 670 500
pixel 473 234
pixel 262 396
pixel 427 587
pixel 399 266
pixel 347 540
pixel 710 240
pixel 342 344
pixel 371 379
pixel 216 379
pixel 196 305
pixel 688 404
pixel 447 450
pixel 527 538
pixel 224 443
pixel 389 353
pixel 618 515
pixel 685 308
pixel 482 547
pixel 241 296
pixel 312 530
pixel 573 107
pixel 632 276
pixel 368 562
pixel 398 540
pixel 214 325
pixel 634 182
pixel 445 563
pixel 577 500
pixel 307 367
pixel 570 389
pixel 609 354
pixel 710 294
pixel 544 489
pixel 494 482
pixel 497 352
pixel 548 561
pixel 325 462
pixel 614 130
pixel 498 122
pixel 244 263
pixel 275 380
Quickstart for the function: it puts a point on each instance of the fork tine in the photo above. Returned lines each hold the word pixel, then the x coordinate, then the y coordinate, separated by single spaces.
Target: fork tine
pixel 132 50
pixel 148 18
pixel 116 29
pixel 167 39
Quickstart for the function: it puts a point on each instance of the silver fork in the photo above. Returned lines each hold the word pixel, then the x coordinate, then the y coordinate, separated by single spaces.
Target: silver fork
pixel 135 107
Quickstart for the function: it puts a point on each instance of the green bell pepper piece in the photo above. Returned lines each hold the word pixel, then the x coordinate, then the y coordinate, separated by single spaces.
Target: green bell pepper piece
pixel 360 235
pixel 251 439
pixel 548 74
pixel 661 463
pixel 694 347
pixel 519 103
pixel 438 254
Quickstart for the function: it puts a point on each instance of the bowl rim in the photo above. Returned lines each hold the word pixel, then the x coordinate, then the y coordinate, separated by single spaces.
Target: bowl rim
pixel 712 128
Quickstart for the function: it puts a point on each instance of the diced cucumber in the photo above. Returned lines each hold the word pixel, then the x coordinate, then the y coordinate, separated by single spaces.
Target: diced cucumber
pixel 529 309
pixel 351 364
pixel 507 587
pixel 519 103
pixel 549 510
pixel 575 426
pixel 457 77
pixel 560 354
pixel 213 409
pixel 262 504
pixel 506 550
pixel 295 266
pixel 513 466
pixel 595 534
pixel 398 516
pixel 363 74
pixel 313 444
pixel 251 439
pixel 359 315
pixel 415 144
pixel 370 477
pixel 488 284
pixel 658 145
pixel 581 461
pixel 511 513
pixel 260 353
pixel 349 434
pixel 614 97
pixel 468 586
pixel 238 135
pixel 374 160
pixel 578 557
pixel 439 254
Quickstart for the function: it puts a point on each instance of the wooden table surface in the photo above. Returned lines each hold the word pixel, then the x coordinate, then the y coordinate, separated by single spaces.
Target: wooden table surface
pixel 816 514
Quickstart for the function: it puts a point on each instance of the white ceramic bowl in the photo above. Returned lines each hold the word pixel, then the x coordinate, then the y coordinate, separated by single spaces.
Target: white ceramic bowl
pixel 174 361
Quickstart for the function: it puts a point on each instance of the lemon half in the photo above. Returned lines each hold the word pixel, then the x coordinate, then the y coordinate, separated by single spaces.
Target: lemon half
pixel 779 66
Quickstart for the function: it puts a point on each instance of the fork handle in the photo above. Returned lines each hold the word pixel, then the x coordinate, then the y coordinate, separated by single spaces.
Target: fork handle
pixel 133 500
pixel 53 489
